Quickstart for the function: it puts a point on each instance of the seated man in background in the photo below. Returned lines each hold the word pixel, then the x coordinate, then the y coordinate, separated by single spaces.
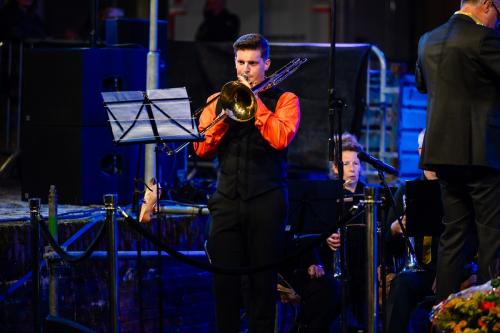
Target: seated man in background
pixel 411 286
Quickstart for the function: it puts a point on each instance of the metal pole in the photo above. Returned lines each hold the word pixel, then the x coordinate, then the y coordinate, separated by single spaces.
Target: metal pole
pixel 94 8
pixel 8 97
pixel 371 194
pixel 158 259
pixel 152 83
pixel 262 13
pixel 335 109
pixel 128 255
pixel 20 97
pixel 110 201
pixel 382 98
pixel 34 205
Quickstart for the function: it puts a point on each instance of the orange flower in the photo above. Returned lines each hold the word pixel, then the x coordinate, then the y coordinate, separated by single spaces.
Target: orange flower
pixel 457 328
pixel 472 313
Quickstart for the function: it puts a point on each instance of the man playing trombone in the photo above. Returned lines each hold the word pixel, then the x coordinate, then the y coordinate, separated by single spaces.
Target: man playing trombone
pixel 249 207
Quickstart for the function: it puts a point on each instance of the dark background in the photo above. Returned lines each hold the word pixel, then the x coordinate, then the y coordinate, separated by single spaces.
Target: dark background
pixel 394 26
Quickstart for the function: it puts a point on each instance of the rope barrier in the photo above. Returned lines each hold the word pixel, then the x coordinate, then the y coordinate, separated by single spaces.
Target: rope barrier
pixel 137 227
pixel 21 282
pixel 61 252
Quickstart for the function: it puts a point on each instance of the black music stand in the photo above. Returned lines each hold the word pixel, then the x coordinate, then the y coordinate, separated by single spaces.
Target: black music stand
pixel 155 116
pixel 313 206
pixel 424 208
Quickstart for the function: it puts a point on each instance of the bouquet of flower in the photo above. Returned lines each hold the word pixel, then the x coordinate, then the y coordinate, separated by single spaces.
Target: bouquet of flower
pixel 473 310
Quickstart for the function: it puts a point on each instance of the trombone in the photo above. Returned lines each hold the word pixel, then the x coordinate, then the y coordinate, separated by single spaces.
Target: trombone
pixel 411 263
pixel 238 101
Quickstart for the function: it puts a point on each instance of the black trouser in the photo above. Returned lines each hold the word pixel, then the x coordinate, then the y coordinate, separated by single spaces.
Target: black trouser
pixel 320 304
pixel 470 195
pixel 247 233
pixel 407 290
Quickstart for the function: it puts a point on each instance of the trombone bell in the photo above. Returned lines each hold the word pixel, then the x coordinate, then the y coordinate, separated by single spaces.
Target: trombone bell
pixel 238 101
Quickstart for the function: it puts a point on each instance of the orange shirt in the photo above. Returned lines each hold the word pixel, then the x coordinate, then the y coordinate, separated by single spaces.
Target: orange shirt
pixel 278 128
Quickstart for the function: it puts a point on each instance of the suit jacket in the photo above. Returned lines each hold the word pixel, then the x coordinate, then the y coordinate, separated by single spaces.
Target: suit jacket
pixel 459 67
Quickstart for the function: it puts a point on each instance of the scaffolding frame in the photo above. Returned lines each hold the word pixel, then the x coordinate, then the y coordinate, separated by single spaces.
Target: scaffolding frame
pixel 376 126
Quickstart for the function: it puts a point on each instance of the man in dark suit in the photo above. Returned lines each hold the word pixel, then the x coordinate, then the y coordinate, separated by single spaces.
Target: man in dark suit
pixel 459 66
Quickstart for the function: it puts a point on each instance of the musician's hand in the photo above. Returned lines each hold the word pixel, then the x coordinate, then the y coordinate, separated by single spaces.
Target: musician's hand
pixel 469 282
pixel 315 271
pixel 244 79
pixel 228 113
pixel 333 241
pixel 288 295
pixel 150 200
pixel 228 119
pixel 396 228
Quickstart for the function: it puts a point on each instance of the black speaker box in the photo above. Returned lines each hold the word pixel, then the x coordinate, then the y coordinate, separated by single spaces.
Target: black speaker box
pixel 82 162
pixel 66 139
pixel 62 87
pixel 134 31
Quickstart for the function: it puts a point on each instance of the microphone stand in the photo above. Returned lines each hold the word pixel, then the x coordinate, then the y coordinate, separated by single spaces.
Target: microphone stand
pixel 335 109
pixel 383 269
pixel 93 33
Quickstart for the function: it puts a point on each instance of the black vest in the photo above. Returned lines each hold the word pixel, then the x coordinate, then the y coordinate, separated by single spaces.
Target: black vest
pixel 249 166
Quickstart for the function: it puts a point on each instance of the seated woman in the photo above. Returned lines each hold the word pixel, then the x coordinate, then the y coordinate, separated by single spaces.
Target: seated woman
pixel 355 251
pixel 313 276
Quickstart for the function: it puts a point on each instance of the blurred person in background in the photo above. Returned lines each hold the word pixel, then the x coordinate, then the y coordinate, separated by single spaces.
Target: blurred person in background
pixel 219 25
pixel 19 21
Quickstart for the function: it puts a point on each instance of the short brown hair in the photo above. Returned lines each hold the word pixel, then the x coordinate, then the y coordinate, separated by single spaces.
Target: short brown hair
pixel 471 2
pixel 252 42
pixel 350 143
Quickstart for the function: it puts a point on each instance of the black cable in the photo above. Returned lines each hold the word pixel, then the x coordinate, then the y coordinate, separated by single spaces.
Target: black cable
pixel 61 252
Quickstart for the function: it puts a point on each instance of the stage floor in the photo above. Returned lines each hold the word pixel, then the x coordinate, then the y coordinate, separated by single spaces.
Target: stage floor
pixel 13 208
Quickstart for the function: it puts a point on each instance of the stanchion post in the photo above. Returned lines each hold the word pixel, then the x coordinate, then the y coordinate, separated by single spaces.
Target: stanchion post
pixel 110 201
pixel 52 265
pixel 371 202
pixel 34 206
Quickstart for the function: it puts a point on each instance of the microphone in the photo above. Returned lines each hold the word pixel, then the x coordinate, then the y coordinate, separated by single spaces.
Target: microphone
pixel 376 163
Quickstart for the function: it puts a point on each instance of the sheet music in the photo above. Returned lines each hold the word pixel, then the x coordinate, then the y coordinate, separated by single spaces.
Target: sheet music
pixel 131 123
